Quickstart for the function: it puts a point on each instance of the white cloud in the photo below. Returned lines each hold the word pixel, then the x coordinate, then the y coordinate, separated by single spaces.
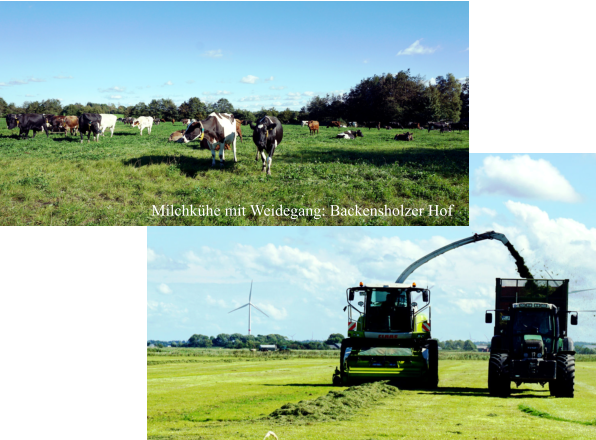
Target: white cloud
pixel 417 49
pixel 164 288
pixel 219 302
pixel 169 83
pixel 219 92
pixel 113 89
pixel 115 96
pixel 213 53
pixel 269 79
pixel 523 176
pixel 29 96
pixel 309 93
pixel 36 80
pixel 272 311
pixel 190 81
pixel 476 211
pixel 277 88
pixel 151 255
pixel 472 305
pixel 17 82
pixel 249 79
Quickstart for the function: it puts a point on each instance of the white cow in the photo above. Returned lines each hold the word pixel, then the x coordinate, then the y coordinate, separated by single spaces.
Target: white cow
pixel 107 121
pixel 143 122
pixel 353 124
pixel 217 130
pixel 304 123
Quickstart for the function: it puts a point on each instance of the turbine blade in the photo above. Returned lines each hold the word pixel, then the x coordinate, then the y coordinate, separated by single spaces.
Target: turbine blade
pixel 585 290
pixel 238 308
pixel 250 294
pixel 260 310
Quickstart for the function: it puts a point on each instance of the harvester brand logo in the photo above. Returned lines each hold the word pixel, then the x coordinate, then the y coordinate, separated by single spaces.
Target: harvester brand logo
pixel 426 326
pixel 388 336
pixel 351 326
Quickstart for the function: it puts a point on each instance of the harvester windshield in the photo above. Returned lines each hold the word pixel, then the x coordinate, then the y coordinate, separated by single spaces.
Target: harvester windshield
pixel 388 309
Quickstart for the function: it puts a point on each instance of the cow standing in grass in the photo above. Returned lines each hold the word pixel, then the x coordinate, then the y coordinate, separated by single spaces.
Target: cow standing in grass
pixel 313 126
pixel 26 122
pixel 90 123
pixel 143 122
pixel 70 123
pixel 107 121
pixel 267 134
pixel 217 130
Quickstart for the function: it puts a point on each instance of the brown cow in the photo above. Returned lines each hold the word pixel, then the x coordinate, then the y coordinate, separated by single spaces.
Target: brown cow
pixel 173 121
pixel 334 124
pixel 239 129
pixel 55 123
pixel 176 135
pixel 185 121
pixel 407 136
pixel 70 123
pixel 313 126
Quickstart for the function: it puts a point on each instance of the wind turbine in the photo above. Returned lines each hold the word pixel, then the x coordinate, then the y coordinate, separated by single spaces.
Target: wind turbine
pixel 249 306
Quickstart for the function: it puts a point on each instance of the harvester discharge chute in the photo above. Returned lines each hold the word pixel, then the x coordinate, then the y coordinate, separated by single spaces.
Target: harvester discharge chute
pixel 391 339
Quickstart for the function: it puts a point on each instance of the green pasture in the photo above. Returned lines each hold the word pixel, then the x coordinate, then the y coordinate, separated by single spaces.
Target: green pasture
pixel 59 181
pixel 225 397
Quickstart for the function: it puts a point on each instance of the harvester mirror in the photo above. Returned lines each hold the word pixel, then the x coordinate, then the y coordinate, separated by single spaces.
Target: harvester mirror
pixel 488 318
pixel 573 319
pixel 351 295
pixel 425 296
pixel 414 304
pixel 360 303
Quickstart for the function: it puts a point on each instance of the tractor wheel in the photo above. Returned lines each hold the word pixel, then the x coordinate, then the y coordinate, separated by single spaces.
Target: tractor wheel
pixel 552 387
pixel 499 384
pixel 433 364
pixel 565 375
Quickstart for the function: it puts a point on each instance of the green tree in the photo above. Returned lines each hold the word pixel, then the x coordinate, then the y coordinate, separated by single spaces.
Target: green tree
pixel 335 338
pixel 199 341
pixel 450 90
pixel 3 107
pixel 222 106
pixel 469 346
pixel 465 100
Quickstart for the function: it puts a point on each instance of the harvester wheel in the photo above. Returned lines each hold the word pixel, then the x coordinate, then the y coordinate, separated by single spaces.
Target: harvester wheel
pixel 499 383
pixel 565 381
pixel 552 387
pixel 433 363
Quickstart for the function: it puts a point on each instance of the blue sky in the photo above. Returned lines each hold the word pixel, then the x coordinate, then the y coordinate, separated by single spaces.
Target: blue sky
pixel 253 54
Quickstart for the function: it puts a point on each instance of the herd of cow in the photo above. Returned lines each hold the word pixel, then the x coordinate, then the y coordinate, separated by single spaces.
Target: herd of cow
pixel 217 133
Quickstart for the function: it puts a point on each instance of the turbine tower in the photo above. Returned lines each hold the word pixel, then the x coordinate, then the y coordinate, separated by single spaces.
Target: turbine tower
pixel 249 306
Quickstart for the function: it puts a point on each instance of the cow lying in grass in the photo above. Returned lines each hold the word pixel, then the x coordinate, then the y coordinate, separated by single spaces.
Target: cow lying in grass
pixel 350 134
pixel 407 136
pixel 176 135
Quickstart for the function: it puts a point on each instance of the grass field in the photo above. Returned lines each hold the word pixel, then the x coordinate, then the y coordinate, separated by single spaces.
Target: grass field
pixel 209 397
pixel 59 181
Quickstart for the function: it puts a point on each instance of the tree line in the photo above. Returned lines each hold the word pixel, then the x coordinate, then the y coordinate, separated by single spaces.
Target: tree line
pixel 401 97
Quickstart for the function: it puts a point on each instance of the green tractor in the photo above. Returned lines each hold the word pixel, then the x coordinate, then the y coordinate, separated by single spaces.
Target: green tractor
pixel 390 339
pixel 530 342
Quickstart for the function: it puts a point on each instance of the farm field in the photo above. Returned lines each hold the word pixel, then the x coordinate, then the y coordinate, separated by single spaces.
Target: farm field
pixel 59 181
pixel 194 396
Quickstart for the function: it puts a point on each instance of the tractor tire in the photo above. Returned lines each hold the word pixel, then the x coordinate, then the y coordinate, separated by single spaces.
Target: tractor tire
pixel 552 387
pixel 433 364
pixel 499 383
pixel 565 381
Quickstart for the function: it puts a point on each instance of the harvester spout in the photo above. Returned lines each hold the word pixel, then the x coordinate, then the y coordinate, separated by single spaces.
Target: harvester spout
pixel 490 235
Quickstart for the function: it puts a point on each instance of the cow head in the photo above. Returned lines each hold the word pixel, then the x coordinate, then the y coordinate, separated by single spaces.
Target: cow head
pixel 359 133
pixel 194 131
pixel 260 133
pixel 12 121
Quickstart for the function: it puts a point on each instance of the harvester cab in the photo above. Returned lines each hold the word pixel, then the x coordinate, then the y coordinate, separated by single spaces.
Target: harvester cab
pixel 390 336
pixel 530 342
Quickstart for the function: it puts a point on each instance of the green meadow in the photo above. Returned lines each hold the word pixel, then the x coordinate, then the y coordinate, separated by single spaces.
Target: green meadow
pixel 200 395
pixel 117 181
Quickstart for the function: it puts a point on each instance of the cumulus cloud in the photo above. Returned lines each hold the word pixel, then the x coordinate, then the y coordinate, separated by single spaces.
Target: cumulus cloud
pixel 164 288
pixel 113 89
pixel 277 88
pixel 524 177
pixel 219 92
pixel 36 80
pixel 476 211
pixel 213 53
pixel 269 79
pixel 260 98
pixel 115 97
pixel 309 93
pixel 272 311
pixel 218 302
pixel 249 79
pixel 169 83
pixel 17 82
pixel 417 49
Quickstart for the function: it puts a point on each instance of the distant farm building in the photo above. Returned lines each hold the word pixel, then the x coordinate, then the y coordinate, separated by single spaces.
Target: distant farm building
pixel 267 347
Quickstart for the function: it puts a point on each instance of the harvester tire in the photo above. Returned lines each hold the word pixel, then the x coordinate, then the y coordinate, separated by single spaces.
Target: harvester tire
pixel 565 381
pixel 499 383
pixel 433 363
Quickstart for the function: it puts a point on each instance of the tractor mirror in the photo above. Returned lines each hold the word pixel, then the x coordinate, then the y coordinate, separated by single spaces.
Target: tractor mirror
pixel 425 296
pixel 351 295
pixel 488 318
pixel 573 319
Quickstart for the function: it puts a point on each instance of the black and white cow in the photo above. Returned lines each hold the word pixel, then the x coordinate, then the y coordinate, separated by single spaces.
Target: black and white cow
pixel 443 126
pixel 26 122
pixel 350 134
pixel 217 129
pixel 267 134
pixel 90 123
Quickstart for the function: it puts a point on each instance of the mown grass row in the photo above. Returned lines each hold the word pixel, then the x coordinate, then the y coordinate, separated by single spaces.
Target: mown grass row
pixel 59 181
